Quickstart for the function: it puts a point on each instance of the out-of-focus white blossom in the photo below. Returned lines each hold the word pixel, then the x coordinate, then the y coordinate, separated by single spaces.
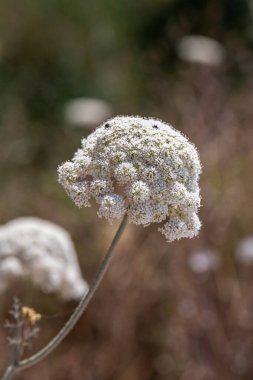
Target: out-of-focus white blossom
pixel 244 250
pixel 10 269
pixel 86 112
pixel 143 167
pixel 203 261
pixel 201 49
pixel 42 251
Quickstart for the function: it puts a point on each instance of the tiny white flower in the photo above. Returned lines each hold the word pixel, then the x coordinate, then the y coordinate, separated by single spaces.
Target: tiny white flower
pixel 101 187
pixel 67 173
pixel 150 174
pixel 112 207
pixel 139 192
pixel 141 213
pixel 160 212
pixel 142 167
pixel 125 172
pixel 80 193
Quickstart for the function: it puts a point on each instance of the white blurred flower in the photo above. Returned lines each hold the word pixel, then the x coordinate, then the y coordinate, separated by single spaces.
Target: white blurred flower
pixel 154 168
pixel 43 252
pixel 10 269
pixel 86 112
pixel 203 261
pixel 244 250
pixel 201 49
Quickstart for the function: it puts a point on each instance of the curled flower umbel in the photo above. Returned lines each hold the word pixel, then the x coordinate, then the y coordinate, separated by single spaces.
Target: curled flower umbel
pixel 142 167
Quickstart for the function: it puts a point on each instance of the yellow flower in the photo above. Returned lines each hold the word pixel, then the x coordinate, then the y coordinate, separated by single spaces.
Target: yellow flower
pixel 30 314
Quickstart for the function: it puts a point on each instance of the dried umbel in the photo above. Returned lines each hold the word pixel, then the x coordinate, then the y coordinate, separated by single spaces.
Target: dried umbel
pixel 142 167
pixel 43 252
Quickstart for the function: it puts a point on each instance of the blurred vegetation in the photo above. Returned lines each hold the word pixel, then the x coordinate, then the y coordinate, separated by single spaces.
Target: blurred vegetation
pixel 52 51
pixel 153 317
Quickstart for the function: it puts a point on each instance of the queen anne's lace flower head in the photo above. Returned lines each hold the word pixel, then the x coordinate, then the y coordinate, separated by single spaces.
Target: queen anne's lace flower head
pixel 142 167
pixel 43 252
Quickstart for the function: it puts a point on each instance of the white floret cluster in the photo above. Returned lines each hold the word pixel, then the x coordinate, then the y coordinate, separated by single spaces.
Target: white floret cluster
pixel 43 252
pixel 142 167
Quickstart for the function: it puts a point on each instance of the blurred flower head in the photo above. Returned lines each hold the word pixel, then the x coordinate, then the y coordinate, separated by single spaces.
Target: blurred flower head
pixel 203 261
pixel 86 112
pixel 244 250
pixel 142 167
pixel 201 49
pixel 42 251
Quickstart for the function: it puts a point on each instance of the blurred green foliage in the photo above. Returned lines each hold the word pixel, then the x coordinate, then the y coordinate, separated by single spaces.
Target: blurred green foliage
pixel 52 51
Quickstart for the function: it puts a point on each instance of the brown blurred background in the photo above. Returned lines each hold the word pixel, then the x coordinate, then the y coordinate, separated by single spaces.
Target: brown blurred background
pixel 180 311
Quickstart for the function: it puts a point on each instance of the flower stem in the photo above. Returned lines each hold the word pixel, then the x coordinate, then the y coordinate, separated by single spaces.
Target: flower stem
pixel 44 352
pixel 9 372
